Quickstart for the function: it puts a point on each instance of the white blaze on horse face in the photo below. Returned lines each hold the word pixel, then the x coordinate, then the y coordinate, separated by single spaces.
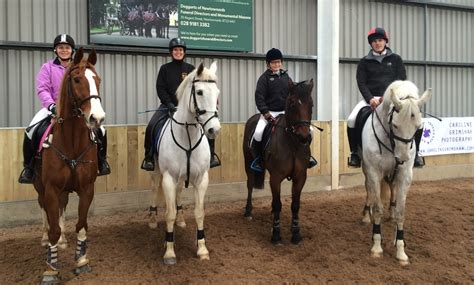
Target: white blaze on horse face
pixel 97 112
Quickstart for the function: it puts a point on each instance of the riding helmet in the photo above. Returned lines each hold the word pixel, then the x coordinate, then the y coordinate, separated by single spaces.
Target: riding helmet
pixel 177 42
pixel 64 39
pixel 273 54
pixel 377 33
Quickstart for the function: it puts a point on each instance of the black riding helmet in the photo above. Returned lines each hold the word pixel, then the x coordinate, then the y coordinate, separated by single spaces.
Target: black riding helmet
pixel 377 33
pixel 64 39
pixel 273 54
pixel 177 42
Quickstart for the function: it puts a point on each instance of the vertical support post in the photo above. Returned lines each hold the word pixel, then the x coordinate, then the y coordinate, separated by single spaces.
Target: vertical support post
pixel 328 77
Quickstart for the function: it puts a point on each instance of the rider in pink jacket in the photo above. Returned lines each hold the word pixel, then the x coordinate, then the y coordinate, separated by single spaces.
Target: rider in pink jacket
pixel 48 86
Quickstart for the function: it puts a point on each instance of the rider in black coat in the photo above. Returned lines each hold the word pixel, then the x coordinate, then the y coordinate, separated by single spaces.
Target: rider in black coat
pixel 375 72
pixel 169 78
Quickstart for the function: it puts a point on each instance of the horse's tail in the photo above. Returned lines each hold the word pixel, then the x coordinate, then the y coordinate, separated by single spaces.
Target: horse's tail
pixel 259 179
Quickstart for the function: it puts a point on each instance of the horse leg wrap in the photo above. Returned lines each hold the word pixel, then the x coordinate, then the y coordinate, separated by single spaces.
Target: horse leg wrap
pixel 169 237
pixel 295 227
pixel 80 255
pixel 399 237
pixel 276 231
pixel 376 229
pixel 152 211
pixel 200 234
pixel 52 257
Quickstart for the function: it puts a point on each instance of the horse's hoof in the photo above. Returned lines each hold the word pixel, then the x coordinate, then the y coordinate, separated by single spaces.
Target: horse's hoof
pixel 82 269
pixel 50 277
pixel 62 245
pixel 276 241
pixel 404 262
pixel 204 257
pixel 181 224
pixel 152 225
pixel 296 239
pixel 366 220
pixel 376 254
pixel 169 261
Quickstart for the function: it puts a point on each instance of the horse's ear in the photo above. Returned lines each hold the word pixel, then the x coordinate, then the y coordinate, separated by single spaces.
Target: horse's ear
pixel 425 97
pixel 79 55
pixel 200 69
pixel 92 59
pixel 291 85
pixel 395 100
pixel 311 83
pixel 213 68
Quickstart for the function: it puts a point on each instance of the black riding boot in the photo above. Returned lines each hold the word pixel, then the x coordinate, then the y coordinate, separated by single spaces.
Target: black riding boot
pixel 26 176
pixel 215 161
pixel 104 168
pixel 419 160
pixel 257 152
pixel 312 162
pixel 148 163
pixel 354 160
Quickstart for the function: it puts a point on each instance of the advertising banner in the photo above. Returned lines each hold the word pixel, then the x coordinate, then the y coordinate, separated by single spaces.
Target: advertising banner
pixel 209 25
pixel 450 136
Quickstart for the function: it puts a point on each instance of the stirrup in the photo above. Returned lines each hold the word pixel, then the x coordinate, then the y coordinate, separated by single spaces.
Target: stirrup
pixel 215 160
pixel 255 165
pixel 26 176
pixel 104 168
pixel 353 161
pixel 419 161
pixel 148 165
pixel 312 162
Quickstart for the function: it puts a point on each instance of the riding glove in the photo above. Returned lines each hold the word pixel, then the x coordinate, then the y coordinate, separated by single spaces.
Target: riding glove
pixel 171 107
pixel 268 116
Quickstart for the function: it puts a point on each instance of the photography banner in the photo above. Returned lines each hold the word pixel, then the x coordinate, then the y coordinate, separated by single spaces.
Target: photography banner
pixel 209 25
pixel 450 136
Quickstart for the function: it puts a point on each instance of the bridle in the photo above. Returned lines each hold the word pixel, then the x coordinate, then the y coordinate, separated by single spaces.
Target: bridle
pixel 76 110
pixel 197 114
pixel 392 137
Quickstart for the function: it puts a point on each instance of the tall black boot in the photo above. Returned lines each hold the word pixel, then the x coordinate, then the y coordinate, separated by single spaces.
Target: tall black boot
pixel 104 168
pixel 419 160
pixel 354 160
pixel 215 161
pixel 27 175
pixel 257 152
pixel 148 162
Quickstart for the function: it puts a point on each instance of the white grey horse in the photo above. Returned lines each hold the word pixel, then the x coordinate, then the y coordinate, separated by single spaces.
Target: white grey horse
pixel 184 155
pixel 388 152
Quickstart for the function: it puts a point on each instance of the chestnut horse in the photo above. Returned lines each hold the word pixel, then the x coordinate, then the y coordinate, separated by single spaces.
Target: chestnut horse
pixel 70 161
pixel 286 156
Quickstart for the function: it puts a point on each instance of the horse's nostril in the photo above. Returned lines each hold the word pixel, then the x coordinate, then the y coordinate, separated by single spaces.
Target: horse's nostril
pixel 211 131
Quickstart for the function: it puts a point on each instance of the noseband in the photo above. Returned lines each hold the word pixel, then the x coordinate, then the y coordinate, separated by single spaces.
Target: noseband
pixel 293 128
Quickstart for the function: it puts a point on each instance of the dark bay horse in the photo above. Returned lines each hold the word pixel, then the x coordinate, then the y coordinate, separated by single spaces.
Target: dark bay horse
pixel 286 156
pixel 70 162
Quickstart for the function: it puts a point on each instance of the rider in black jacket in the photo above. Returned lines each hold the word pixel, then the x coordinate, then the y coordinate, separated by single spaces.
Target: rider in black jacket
pixel 375 72
pixel 273 87
pixel 169 78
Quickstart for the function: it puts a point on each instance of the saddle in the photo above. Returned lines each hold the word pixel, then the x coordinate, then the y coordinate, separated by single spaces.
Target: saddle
pixel 41 132
pixel 361 118
pixel 158 130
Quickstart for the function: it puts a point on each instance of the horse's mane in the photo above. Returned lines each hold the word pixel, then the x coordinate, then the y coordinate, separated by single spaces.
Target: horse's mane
pixel 205 75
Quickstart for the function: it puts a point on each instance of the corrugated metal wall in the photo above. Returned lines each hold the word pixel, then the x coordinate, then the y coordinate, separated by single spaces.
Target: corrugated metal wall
pixel 129 80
